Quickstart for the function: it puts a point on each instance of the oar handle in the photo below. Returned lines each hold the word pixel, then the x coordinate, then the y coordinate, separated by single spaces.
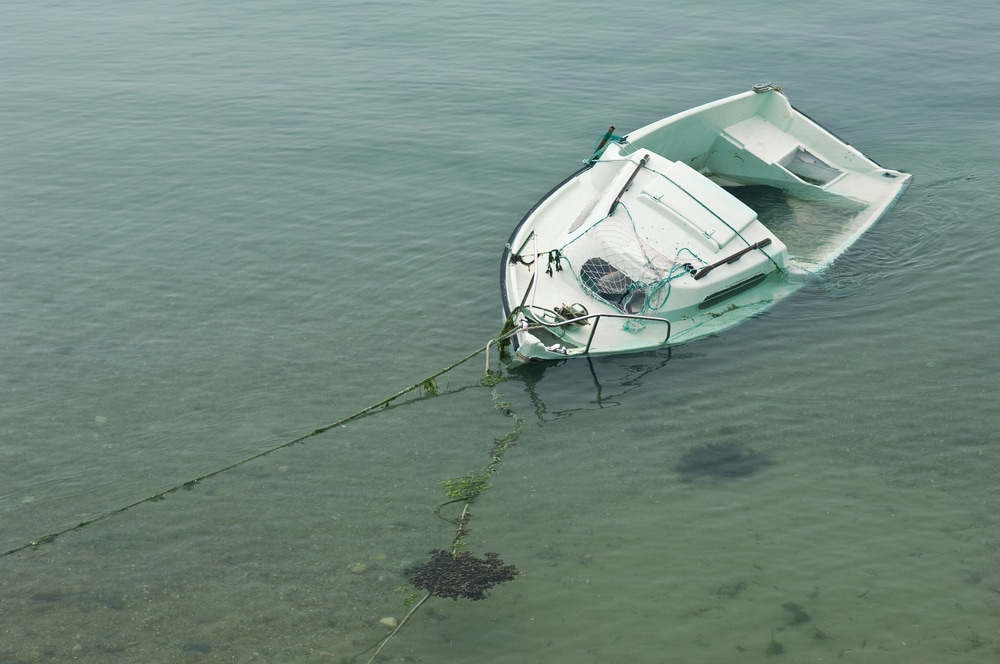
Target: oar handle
pixel 732 259
pixel 631 179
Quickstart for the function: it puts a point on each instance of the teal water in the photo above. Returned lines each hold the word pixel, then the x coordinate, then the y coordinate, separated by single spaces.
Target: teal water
pixel 222 227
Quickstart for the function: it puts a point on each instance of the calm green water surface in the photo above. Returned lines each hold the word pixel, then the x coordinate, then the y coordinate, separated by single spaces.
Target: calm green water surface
pixel 223 226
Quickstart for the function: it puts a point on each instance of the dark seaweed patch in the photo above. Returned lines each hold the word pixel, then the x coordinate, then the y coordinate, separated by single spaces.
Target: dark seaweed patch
pixel 454 575
pixel 799 614
pixel 720 461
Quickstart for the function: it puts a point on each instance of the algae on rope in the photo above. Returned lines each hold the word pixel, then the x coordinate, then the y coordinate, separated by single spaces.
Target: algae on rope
pixel 468 487
pixel 429 385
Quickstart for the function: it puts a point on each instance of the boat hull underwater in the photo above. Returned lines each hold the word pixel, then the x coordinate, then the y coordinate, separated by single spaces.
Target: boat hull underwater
pixel 686 227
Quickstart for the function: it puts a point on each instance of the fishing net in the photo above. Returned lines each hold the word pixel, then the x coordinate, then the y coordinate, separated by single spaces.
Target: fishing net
pixel 618 265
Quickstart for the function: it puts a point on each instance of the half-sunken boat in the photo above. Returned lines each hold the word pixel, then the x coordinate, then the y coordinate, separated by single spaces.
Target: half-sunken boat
pixel 686 227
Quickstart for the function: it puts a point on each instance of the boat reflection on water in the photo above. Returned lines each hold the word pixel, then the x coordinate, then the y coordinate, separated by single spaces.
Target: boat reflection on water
pixel 596 383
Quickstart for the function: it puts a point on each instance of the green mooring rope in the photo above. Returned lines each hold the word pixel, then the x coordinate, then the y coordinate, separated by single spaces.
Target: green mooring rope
pixel 426 384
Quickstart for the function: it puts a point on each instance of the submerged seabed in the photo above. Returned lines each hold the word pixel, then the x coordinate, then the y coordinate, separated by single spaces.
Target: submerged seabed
pixel 223 228
pixel 863 530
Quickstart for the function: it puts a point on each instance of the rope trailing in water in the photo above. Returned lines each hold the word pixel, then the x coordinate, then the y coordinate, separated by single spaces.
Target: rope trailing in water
pixel 426 384
pixel 465 490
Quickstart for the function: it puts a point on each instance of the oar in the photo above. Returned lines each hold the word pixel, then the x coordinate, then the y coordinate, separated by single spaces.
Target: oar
pixel 631 179
pixel 732 259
